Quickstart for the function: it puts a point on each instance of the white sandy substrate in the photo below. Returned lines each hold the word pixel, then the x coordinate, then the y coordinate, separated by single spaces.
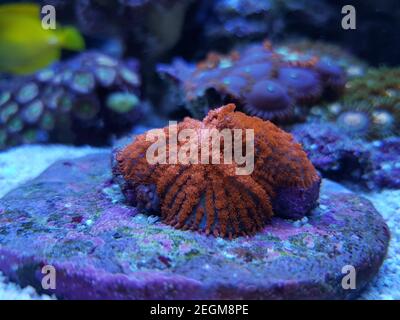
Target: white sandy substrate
pixel 387 284
pixel 21 164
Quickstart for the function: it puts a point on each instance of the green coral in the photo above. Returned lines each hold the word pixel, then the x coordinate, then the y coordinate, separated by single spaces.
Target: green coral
pixel 377 85
pixel 375 95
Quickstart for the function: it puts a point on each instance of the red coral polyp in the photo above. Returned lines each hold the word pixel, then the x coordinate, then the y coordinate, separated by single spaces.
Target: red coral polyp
pixel 211 198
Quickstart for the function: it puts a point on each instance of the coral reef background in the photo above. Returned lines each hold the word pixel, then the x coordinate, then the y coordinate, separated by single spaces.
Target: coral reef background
pixel 149 61
pixel 221 24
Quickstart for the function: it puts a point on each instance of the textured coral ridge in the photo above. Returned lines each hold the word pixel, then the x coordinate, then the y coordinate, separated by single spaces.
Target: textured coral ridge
pixel 210 197
pixel 264 82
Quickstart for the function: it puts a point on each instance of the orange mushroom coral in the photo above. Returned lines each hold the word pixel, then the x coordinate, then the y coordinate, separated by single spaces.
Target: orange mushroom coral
pixel 211 197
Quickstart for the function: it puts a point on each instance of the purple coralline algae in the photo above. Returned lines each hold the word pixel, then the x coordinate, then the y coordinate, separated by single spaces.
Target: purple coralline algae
pixel 85 100
pixel 340 157
pixel 385 164
pixel 332 152
pixel 73 218
pixel 262 81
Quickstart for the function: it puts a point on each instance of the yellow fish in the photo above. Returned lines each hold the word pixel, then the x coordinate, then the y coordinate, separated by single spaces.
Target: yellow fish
pixel 25 46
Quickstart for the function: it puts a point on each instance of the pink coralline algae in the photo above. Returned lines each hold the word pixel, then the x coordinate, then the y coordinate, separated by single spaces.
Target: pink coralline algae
pixel 262 81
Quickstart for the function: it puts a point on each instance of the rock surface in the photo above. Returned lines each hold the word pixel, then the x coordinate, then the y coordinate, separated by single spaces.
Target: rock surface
pixel 372 165
pixel 33 160
pixel 74 218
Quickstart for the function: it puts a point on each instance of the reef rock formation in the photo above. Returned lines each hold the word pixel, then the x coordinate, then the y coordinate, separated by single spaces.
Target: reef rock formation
pixel 385 158
pixel 262 81
pixel 85 100
pixel 332 152
pixel 338 156
pixel 212 197
pixel 74 218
